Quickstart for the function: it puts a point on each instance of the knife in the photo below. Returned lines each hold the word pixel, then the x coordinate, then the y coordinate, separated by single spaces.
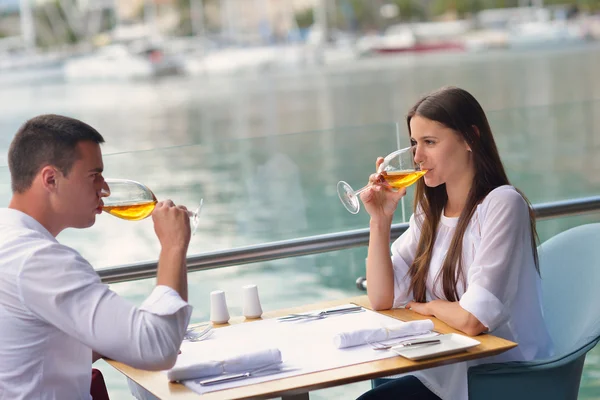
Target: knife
pixel 418 343
pixel 318 314
pixel 250 374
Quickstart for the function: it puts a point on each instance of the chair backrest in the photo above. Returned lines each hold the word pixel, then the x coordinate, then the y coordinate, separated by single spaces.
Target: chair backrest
pixel 570 268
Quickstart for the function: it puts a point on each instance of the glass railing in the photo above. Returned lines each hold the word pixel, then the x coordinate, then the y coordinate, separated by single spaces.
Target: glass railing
pixel 277 187
pixel 551 153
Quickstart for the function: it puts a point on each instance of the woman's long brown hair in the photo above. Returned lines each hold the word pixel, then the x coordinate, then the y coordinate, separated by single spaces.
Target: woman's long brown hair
pixel 458 110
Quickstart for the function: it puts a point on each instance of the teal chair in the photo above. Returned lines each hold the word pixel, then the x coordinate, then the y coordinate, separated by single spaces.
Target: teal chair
pixel 570 267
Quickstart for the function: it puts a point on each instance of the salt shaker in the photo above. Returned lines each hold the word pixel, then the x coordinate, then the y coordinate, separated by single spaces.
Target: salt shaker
pixel 219 314
pixel 251 302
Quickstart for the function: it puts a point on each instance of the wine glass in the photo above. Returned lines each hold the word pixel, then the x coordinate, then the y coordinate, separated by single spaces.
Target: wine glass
pixel 134 201
pixel 398 169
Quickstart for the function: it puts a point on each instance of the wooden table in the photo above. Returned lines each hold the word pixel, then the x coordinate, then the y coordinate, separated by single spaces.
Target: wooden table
pixel 298 387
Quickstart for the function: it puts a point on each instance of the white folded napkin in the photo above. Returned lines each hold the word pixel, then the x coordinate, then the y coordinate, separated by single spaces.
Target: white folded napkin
pixel 233 364
pixel 362 336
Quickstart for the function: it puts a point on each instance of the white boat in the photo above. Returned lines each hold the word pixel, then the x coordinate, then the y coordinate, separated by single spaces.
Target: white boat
pixel 545 34
pixel 17 61
pixel 246 60
pixel 485 39
pixel 545 27
pixel 18 68
pixel 402 38
pixel 231 61
pixel 118 62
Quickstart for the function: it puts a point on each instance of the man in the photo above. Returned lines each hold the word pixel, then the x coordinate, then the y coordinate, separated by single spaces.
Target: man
pixel 56 316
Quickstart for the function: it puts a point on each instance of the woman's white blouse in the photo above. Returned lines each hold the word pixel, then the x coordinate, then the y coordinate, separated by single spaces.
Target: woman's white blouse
pixel 502 285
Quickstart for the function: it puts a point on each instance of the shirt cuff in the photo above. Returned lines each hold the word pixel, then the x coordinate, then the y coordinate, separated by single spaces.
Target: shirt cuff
pixel 484 306
pixel 164 301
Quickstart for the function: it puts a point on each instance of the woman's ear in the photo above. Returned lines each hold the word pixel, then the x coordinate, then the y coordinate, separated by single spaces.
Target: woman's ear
pixel 476 130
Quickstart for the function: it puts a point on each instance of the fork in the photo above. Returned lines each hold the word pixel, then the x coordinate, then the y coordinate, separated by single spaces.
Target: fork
pixel 192 336
pixel 321 314
pixel 275 367
pixel 382 346
pixel 405 343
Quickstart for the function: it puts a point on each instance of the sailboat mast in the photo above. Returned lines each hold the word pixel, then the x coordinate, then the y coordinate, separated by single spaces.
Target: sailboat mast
pixel 27 25
pixel 150 16
pixel 197 17
pixel 321 23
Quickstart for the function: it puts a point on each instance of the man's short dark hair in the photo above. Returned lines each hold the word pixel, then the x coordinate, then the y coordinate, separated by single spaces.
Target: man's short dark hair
pixel 46 140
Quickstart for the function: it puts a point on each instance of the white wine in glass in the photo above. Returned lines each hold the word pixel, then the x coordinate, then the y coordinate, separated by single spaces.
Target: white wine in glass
pixel 134 201
pixel 402 179
pixel 398 169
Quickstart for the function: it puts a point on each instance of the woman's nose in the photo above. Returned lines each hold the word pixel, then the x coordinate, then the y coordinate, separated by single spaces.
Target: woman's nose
pixel 418 155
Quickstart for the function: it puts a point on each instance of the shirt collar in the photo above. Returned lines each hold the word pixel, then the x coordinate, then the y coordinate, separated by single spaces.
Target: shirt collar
pixel 16 218
pixel 450 222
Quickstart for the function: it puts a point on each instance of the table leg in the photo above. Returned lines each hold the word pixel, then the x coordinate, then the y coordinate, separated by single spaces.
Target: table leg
pixel 301 396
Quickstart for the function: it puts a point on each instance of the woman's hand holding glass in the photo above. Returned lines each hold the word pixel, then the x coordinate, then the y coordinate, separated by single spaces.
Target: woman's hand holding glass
pixel 380 198
pixel 396 171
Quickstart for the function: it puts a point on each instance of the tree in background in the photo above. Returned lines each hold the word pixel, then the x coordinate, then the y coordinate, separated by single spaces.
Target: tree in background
pixel 50 27
pixel 410 10
pixel 461 7
pixel 305 18
pixel 185 17
pixel 365 15
pixel 583 5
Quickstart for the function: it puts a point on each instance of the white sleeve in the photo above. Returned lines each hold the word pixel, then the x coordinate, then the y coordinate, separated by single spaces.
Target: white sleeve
pixel 505 248
pixel 60 287
pixel 403 253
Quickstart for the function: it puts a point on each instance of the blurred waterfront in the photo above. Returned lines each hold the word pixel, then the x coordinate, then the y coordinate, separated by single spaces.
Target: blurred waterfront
pixel 108 40
pixel 266 151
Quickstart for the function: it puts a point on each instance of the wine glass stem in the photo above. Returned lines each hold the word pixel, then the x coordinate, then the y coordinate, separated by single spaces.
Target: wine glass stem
pixel 362 189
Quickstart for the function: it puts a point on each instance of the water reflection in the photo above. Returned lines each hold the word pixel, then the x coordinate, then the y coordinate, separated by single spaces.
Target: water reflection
pixel 275 199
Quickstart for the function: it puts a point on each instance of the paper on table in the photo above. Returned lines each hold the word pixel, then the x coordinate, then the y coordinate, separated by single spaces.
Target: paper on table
pixel 363 336
pixel 306 346
pixel 232 364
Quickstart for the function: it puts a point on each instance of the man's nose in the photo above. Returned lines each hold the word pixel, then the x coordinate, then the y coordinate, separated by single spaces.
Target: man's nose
pixel 105 189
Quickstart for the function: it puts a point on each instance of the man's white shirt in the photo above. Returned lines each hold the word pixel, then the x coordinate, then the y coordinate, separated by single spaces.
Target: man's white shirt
pixel 54 310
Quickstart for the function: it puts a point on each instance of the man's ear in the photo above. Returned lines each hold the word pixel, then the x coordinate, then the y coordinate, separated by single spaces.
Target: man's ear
pixel 49 177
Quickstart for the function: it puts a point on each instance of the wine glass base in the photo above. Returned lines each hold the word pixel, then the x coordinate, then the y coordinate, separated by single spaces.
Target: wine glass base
pixel 348 198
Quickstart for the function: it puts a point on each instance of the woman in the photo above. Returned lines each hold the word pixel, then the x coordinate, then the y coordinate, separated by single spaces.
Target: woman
pixel 469 256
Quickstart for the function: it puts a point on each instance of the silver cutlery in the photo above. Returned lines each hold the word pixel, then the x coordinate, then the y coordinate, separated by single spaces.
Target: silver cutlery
pixel 408 343
pixel 270 369
pixel 192 335
pixel 321 314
